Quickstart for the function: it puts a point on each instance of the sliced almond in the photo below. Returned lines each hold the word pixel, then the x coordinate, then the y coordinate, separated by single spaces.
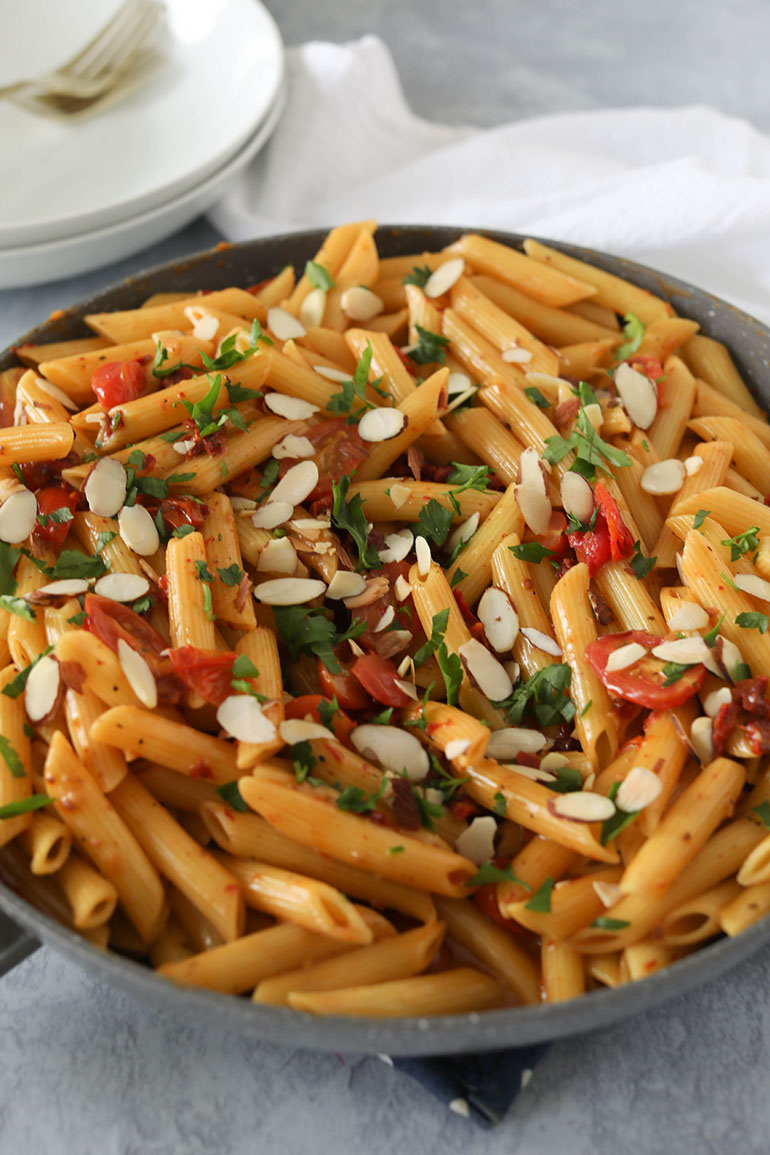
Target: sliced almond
pixel 386 619
pixel 541 641
pixel 393 749
pixel 531 470
pixel 458 383
pixel 402 588
pixel 345 584
pixel 43 690
pixel 608 893
pixel 139 674
pixel 424 557
pixel 361 304
pixel 638 789
pixel 399 494
pixel 138 530
pixel 242 504
pixel 376 588
pixel 477 841
pixel 122 587
pixel 393 642
pixel 638 394
pixel 183 447
pixel 489 675
pixel 582 806
pixel 456 747
pixel 730 657
pixel 278 556
pixel 332 374
pixel 64 588
pixel 594 414
pixel 702 739
pixel 408 687
pixel 693 465
pixel 577 497
pixel 283 325
pixel 687 651
pixel 464 532
pixel 293 408
pixel 714 701
pixel 680 569
pixel 204 324
pixel 397 546
pixel 754 585
pixel 441 280
pixel 505 745
pixel 312 309
pixel 664 477
pixel 18 515
pixel 625 656
pixel 516 354
pixel 57 393
pixel 534 773
pixel 290 591
pixel 499 619
pixel 242 718
pixel 272 514
pixel 105 488
pixel 554 760
pixel 295 730
pixel 535 508
pixel 381 424
pixel 689 616
pixel 293 446
pixel 296 484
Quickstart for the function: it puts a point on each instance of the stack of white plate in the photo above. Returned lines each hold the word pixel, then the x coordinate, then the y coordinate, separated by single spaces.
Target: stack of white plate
pixel 75 195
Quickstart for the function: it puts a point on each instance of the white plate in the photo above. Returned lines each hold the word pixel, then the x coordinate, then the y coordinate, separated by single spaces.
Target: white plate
pixel 53 260
pixel 224 66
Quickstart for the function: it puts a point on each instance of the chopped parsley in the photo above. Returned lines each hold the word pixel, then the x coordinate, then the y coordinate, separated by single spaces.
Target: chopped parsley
pixel 743 542
pixel 700 517
pixel 355 390
pixel 203 571
pixel 17 606
pixel 303 760
pixel 355 800
pixel 753 621
pixel 56 517
pixel 230 794
pixel 537 398
pixel 612 826
pixel 16 687
pixel 71 563
pixel 438 629
pixel 451 671
pixel 11 758
pixel 568 779
pixel 591 451
pixel 319 277
pixel 711 637
pixel 419 276
pixel 640 564
pixel 309 631
pixel 541 899
pixel 457 577
pixel 673 671
pixel 232 575
pixel 8 559
pixel 468 477
pixel 500 806
pixel 544 695
pixel 633 331
pixel 350 516
pixel 24 805
pixel 434 522
pixel 430 347
pixel 381 719
pixel 327 711
pixel 763 812
pixel 488 872
pixel 605 923
pixel 531 551
pixel 104 538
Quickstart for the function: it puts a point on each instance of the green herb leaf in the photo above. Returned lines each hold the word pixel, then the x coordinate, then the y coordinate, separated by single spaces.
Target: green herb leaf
pixel 208 604
pixel 468 477
pixel 434 522
pixel 457 577
pixel 17 606
pixel 557 448
pixel 612 826
pixel 229 355
pixel 537 398
pixel 327 711
pixel 383 718
pixel 531 551
pixel 56 517
pixel 319 277
pixel 605 923
pixel 305 630
pixel 303 760
pixel 171 435
pixel 232 575
pixel 741 672
pixel 8 559
pixel 711 637
pixel 230 794
pixel 674 671
pixel 700 517
pixel 350 517
pixel 142 605
pixel 71 563
pixel 753 621
pixel 763 812
pixel 419 276
pixel 243 667
pixel 11 758
pixel 430 347
pixel 640 564
pixel 395 850
pixel 203 571
pixel 16 687
pixel 353 799
pixel 544 695
pixel 541 899
pixel 77 619
pixel 633 331
pixel 182 530
pixel 500 805
pixel 24 805
pixel 742 542
pixel 355 389
pixel 451 671
pixel 488 872
pixel 568 779
pixel 104 538
pixel 438 629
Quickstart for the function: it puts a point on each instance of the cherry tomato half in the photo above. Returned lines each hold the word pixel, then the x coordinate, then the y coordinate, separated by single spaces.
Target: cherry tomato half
pixel 110 621
pixel 307 706
pixel 49 501
pixel 349 692
pixel 116 382
pixel 207 672
pixel 644 682
pixel 609 540
pixel 380 679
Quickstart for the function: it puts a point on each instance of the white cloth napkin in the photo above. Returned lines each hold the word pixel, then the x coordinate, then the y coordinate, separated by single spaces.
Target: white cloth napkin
pixel 686 190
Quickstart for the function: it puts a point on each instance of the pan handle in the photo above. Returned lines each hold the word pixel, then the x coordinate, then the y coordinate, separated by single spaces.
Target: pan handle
pixel 15 944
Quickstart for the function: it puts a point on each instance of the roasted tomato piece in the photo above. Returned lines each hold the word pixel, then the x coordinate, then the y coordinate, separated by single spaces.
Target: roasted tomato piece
pixel 348 691
pixel 177 511
pixel 609 540
pixel 110 621
pixel 338 453
pixel 50 500
pixel 116 382
pixel 555 537
pixel 405 617
pixel 307 706
pixel 648 364
pixel 380 679
pixel 207 672
pixel 643 683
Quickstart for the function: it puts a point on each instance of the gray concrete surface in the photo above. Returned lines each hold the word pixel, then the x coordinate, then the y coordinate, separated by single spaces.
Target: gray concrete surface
pixel 85 1069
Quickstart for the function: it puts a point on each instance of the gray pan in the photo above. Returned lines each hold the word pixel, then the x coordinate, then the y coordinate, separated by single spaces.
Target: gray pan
pixel 25 928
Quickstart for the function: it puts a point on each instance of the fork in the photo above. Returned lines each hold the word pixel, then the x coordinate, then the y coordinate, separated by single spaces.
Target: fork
pixel 99 67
